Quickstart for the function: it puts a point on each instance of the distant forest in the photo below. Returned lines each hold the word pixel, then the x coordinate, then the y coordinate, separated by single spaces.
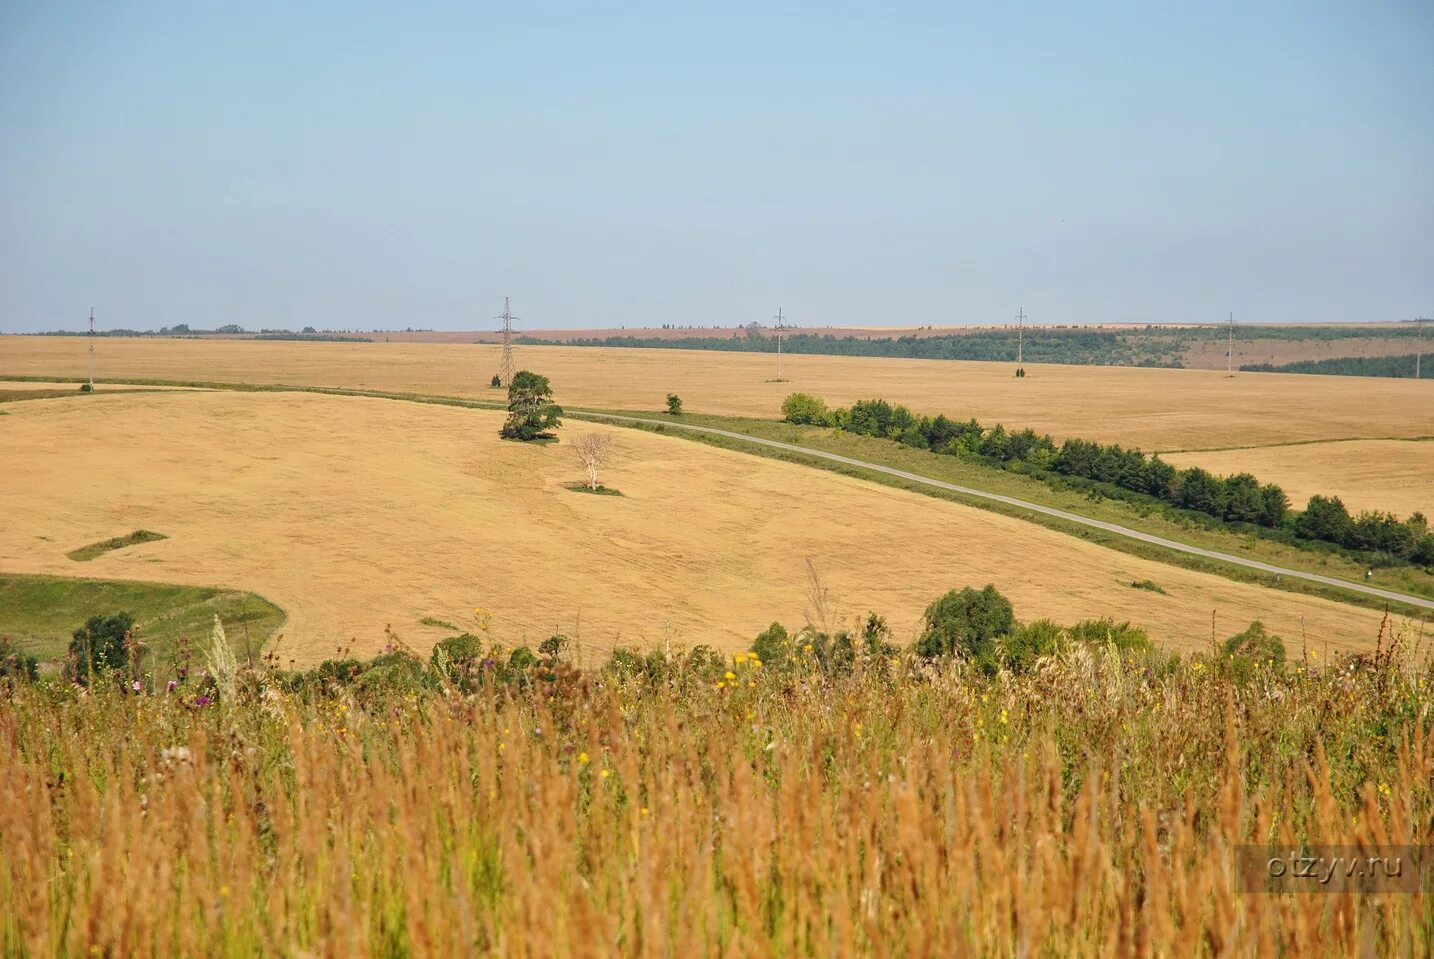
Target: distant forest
pixel 1159 346
pixel 1078 347
pixel 1395 366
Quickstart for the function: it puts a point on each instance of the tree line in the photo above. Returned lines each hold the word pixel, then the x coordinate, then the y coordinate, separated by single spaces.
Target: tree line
pixel 1391 366
pixel 1076 347
pixel 1237 499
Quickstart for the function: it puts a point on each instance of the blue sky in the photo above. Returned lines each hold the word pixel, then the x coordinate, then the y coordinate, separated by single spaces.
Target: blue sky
pixel 371 166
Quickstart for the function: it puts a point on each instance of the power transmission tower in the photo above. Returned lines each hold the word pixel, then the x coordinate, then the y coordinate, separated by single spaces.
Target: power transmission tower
pixel 92 349
pixel 505 370
pixel 1230 348
pixel 780 329
pixel 1021 336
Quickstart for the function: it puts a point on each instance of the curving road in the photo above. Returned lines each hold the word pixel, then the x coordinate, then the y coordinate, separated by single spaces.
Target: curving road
pixel 1012 501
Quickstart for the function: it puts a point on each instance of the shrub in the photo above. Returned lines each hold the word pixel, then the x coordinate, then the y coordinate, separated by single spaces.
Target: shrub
pixel 496 382
pixel 772 644
pixel 1253 649
pixel 99 645
pixel 86 388
pixel 674 404
pixel 1124 637
pixel 805 408
pixel 15 665
pixel 966 623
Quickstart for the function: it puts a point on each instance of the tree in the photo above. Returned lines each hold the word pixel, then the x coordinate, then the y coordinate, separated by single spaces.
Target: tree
pixel 674 404
pixel 497 381
pixel 531 410
pixel 593 451
pixel 1324 518
pixel 966 623
pixel 99 645
pixel 805 408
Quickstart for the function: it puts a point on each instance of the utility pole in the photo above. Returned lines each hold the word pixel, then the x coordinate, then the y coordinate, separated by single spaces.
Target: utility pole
pixel 92 349
pixel 505 370
pixel 1230 348
pixel 1418 344
pixel 780 330
pixel 1021 336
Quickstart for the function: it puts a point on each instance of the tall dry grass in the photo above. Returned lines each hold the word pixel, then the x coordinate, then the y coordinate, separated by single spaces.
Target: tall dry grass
pixel 1088 808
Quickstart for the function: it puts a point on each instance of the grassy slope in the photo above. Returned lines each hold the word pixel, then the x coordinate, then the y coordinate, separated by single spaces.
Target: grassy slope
pixel 40 613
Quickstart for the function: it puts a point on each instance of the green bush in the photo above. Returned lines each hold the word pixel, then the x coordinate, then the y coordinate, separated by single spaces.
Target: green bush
pixel 1127 639
pixel 674 404
pixel 1255 648
pixel 99 646
pixel 966 623
pixel 805 408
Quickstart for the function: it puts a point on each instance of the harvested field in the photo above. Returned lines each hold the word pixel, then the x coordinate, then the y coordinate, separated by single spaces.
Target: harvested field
pixel 1149 408
pixel 1388 475
pixel 353 513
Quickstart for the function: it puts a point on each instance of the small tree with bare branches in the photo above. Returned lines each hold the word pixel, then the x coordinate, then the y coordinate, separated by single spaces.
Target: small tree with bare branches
pixel 593 451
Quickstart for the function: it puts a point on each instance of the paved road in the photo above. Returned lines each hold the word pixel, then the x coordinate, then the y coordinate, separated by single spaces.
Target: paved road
pixel 1012 501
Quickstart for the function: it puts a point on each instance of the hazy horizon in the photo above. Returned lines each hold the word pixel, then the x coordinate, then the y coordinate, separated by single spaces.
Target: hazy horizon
pixel 359 168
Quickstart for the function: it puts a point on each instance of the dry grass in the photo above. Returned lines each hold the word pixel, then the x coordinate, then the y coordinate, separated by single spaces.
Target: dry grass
pixel 1086 810
pixel 1150 408
pixel 352 514
pixel 1387 475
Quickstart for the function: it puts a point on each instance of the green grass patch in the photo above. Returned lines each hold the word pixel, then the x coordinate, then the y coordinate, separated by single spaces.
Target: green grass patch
pixel 600 491
pixel 439 623
pixel 86 553
pixel 39 614
pixel 1149 585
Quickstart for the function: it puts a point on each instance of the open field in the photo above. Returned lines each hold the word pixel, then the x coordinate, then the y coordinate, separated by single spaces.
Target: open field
pixel 1149 408
pixel 352 514
pixel 1390 475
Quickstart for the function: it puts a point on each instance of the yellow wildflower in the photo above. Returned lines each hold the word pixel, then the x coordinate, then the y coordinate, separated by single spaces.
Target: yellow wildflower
pixel 583 758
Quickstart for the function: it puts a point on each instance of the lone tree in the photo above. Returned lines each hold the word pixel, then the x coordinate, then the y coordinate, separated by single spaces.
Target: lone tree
pixel 674 404
pixel 966 623
pixel 593 451
pixel 531 410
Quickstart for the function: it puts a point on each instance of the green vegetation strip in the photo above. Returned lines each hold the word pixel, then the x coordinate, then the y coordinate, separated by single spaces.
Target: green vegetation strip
pixel 86 553
pixel 39 613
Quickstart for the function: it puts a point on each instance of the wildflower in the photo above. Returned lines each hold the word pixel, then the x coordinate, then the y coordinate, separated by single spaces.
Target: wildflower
pixel 605 773
pixel 807 648
pixel 202 700
pixel 645 810
pixel 1003 717
pixel 740 658
pixel 583 758
pixel 721 685
pixel 1384 789
pixel 756 663
pixel 170 686
pixel 752 683
pixel 729 675
pixel 136 685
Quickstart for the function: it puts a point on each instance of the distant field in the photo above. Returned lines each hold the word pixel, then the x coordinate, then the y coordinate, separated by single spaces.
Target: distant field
pixel 1389 475
pixel 1150 408
pixel 352 514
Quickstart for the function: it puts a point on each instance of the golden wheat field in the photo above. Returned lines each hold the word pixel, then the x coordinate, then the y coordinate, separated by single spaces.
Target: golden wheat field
pixel 354 513
pixel 1388 475
pixel 1149 408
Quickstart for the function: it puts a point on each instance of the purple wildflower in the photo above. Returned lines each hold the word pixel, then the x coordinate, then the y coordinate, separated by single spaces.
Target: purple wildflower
pixel 202 700
pixel 171 686
pixel 137 686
